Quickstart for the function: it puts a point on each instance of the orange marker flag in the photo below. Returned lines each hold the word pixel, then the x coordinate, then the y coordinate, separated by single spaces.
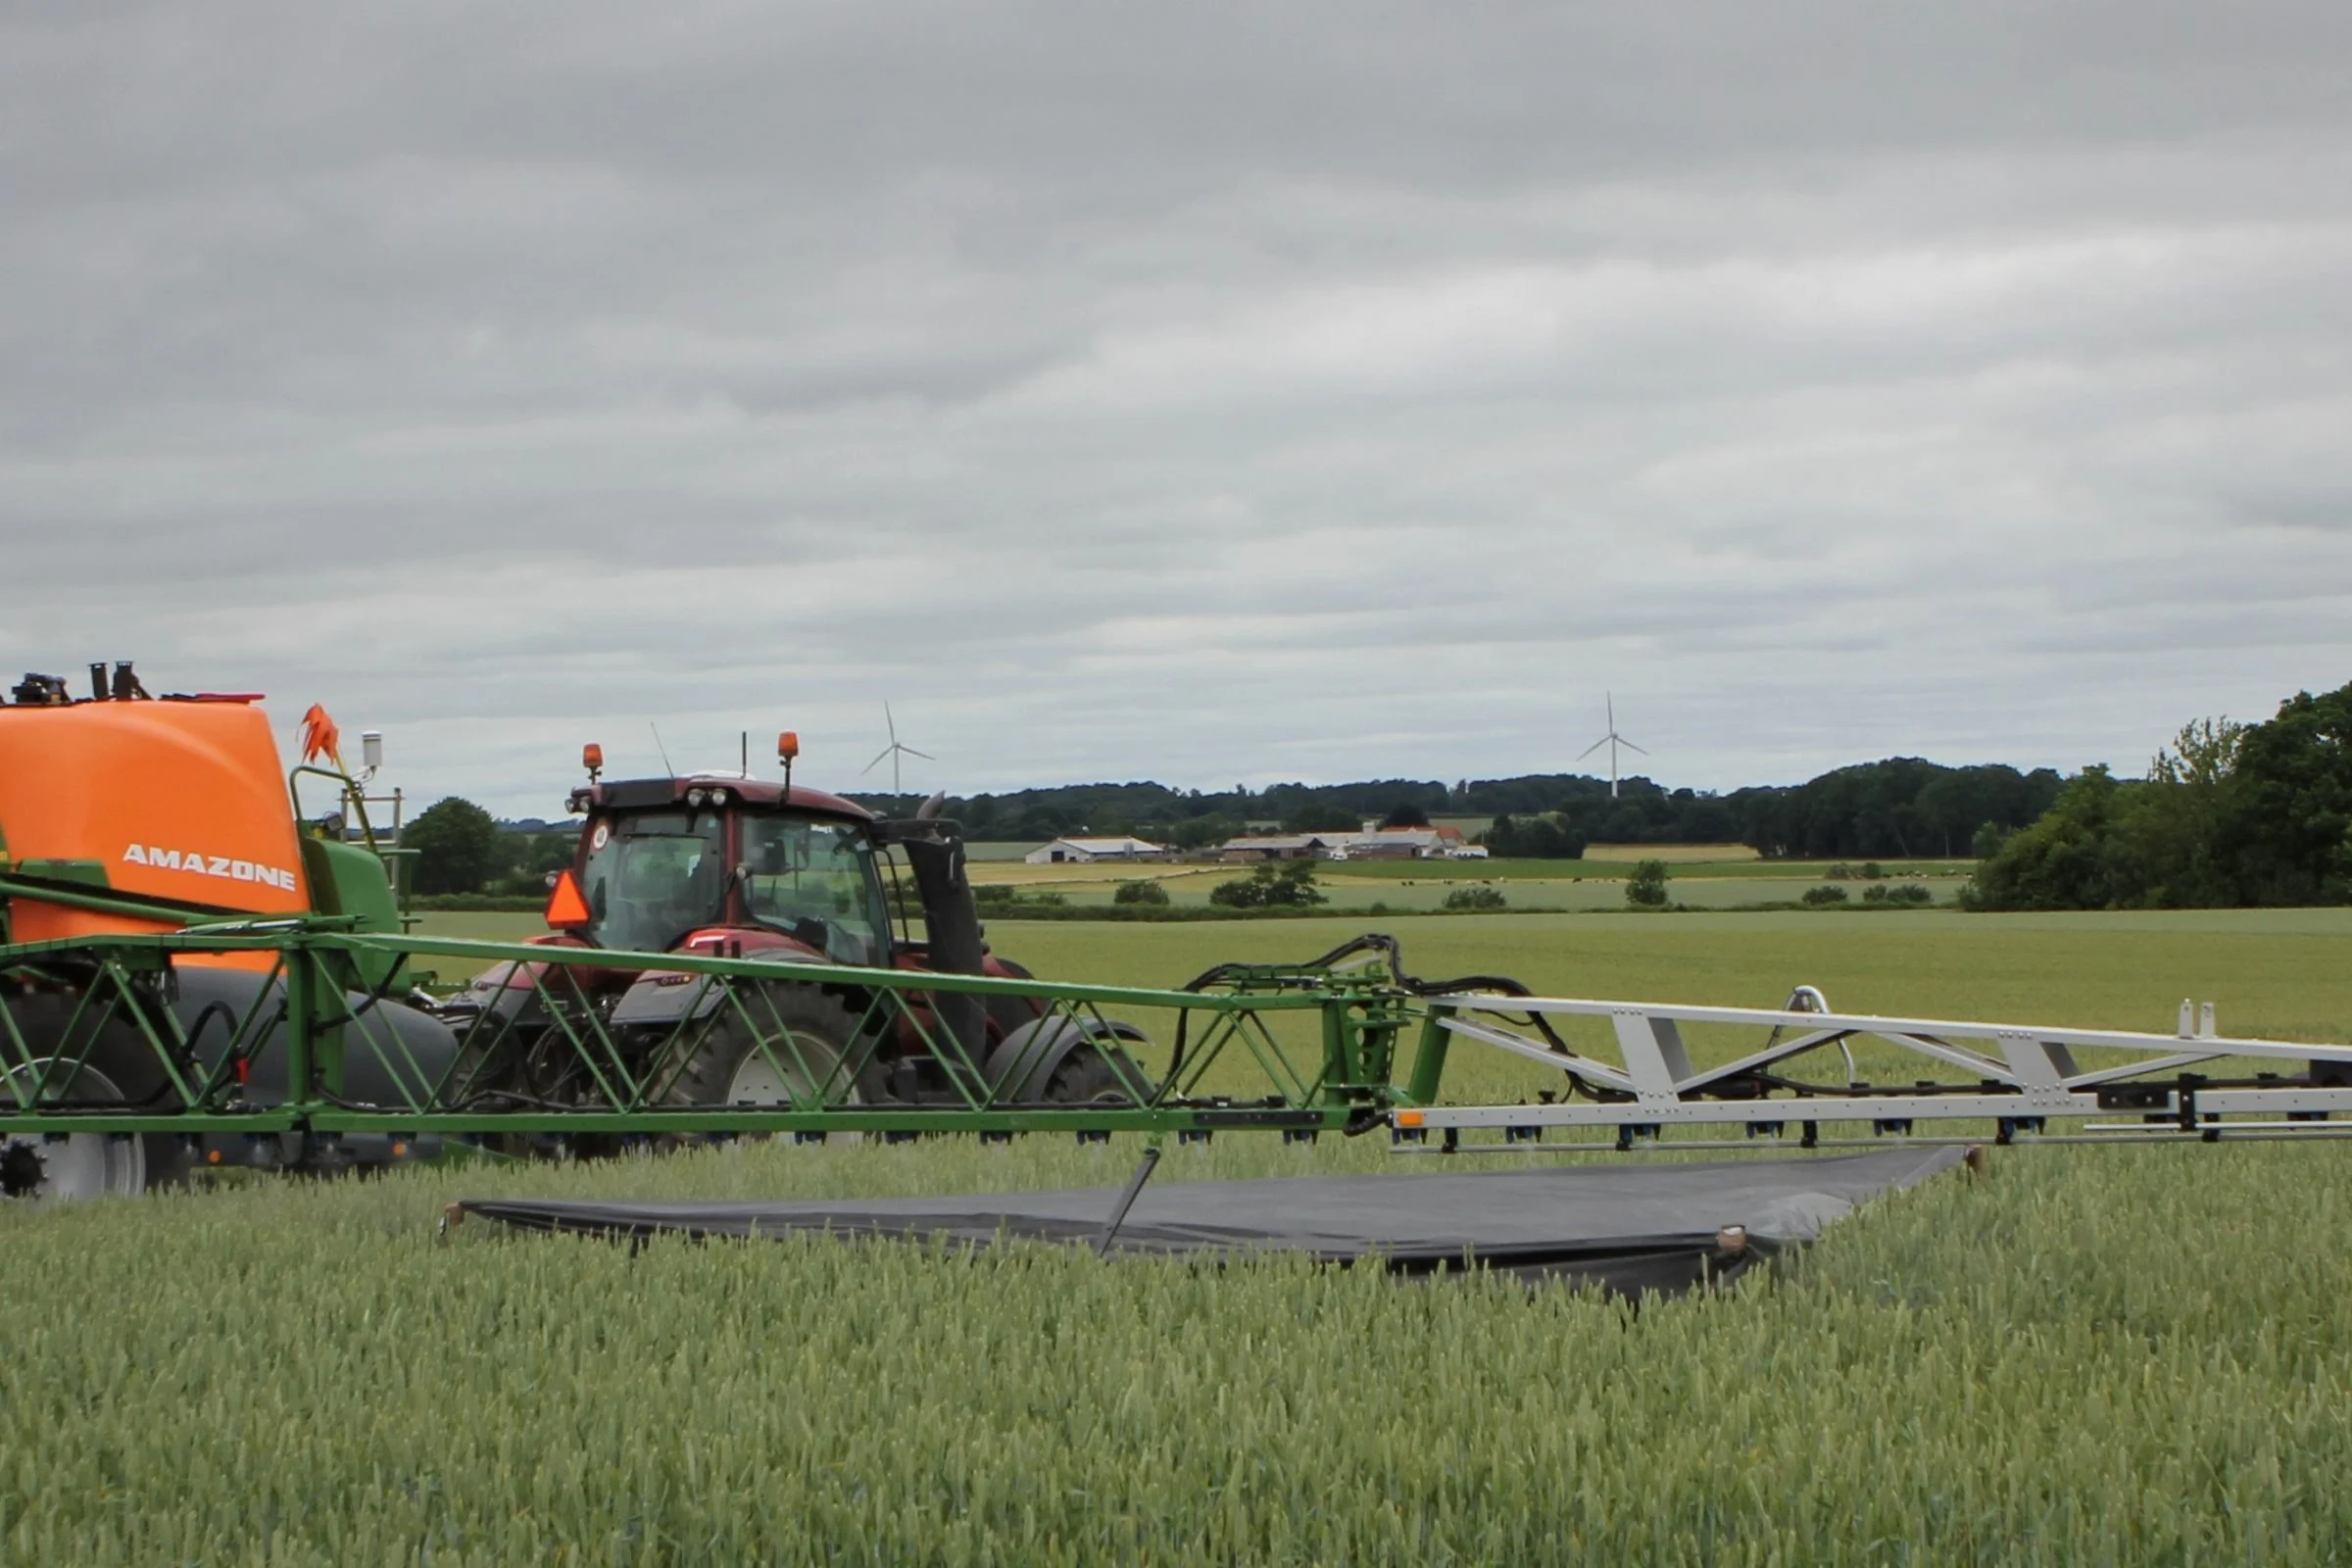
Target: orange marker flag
pixel 320 737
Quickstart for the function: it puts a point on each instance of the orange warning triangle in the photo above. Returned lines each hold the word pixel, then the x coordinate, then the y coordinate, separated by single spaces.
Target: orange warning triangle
pixel 567 911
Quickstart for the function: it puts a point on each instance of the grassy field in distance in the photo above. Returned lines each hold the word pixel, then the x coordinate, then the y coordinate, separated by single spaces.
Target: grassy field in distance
pixel 2096 1355
pixel 1019 873
pixel 995 852
pixel 1671 853
pixel 1591 868
pixel 2279 972
pixel 1423 885
pixel 1687 861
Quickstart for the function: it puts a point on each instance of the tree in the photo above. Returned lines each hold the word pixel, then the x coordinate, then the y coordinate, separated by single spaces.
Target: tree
pixel 1198 832
pixel 1144 892
pixel 1321 816
pixel 457 845
pixel 2182 818
pixel 2228 815
pixel 1626 824
pixel 1405 813
pixel 528 863
pixel 1901 805
pixel 1540 836
pixel 2074 856
pixel 1275 884
pixel 1044 823
pixel 1708 820
pixel 2287 836
pixel 1645 889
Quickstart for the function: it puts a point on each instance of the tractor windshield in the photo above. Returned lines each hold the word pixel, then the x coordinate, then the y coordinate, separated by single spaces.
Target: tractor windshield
pixel 817 882
pixel 652 878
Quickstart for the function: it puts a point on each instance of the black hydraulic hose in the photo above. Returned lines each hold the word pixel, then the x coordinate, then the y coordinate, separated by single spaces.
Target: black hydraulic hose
pixel 209 1012
pixel 1503 984
pixel 1393 951
pixel 481 1102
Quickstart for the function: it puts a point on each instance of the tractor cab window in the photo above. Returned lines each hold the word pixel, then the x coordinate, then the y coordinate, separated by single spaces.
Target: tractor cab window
pixel 817 883
pixel 652 878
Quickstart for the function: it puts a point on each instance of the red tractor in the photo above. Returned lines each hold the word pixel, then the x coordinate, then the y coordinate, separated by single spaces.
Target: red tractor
pixel 734 866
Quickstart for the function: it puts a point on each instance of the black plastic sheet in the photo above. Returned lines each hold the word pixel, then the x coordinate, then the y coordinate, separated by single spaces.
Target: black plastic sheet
pixel 1631 1227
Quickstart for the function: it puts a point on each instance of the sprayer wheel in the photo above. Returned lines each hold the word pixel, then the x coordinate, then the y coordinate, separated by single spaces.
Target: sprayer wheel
pixel 1086 1077
pixel 121 1066
pixel 729 1068
pixel 497 1063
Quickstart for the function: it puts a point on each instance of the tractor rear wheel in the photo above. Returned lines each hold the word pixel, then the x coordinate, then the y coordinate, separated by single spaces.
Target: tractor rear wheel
pixel 118 1066
pixel 730 1068
pixel 1007 1013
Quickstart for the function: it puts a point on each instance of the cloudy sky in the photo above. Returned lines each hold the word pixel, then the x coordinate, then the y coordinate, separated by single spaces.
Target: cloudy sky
pixel 1187 392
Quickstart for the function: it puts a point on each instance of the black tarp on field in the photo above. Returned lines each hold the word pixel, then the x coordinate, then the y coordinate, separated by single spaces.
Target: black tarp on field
pixel 1629 1227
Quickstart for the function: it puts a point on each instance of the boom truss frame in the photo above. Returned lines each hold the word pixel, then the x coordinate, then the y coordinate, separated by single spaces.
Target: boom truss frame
pixel 2016 1079
pixel 1302 1049
pixel 1235 1070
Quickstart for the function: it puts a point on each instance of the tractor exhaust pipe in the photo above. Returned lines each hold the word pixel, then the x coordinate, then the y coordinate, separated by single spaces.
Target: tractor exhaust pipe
pixel 952 925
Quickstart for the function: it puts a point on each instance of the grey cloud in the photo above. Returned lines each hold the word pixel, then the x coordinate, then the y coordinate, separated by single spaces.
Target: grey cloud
pixel 1202 393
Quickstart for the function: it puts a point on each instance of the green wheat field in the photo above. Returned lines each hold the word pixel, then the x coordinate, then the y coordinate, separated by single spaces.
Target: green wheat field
pixel 2131 1354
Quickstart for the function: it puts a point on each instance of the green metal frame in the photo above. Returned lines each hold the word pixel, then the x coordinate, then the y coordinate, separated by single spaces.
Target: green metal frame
pixel 1236 1069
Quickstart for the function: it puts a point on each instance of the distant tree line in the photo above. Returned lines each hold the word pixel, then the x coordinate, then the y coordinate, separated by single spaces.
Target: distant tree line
pixel 1901 807
pixel 1186 818
pixel 2228 814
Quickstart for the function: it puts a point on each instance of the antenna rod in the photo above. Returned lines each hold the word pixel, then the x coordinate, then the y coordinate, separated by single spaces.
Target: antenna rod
pixel 658 747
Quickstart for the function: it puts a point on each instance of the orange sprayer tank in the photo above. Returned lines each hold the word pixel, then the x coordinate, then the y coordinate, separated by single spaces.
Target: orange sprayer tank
pixel 180 802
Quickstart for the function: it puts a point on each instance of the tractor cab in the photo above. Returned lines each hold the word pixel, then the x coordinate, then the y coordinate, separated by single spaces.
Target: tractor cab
pixel 670 864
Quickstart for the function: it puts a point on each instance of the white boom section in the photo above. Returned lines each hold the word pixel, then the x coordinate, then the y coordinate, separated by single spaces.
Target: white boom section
pixel 2016 1076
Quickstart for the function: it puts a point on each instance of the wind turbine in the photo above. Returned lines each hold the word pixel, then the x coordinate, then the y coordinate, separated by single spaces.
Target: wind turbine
pixel 1612 740
pixel 893 751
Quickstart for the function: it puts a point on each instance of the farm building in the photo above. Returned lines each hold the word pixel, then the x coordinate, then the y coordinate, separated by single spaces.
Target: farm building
pixel 1085 852
pixel 1279 847
pixel 1375 844
pixel 1401 844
